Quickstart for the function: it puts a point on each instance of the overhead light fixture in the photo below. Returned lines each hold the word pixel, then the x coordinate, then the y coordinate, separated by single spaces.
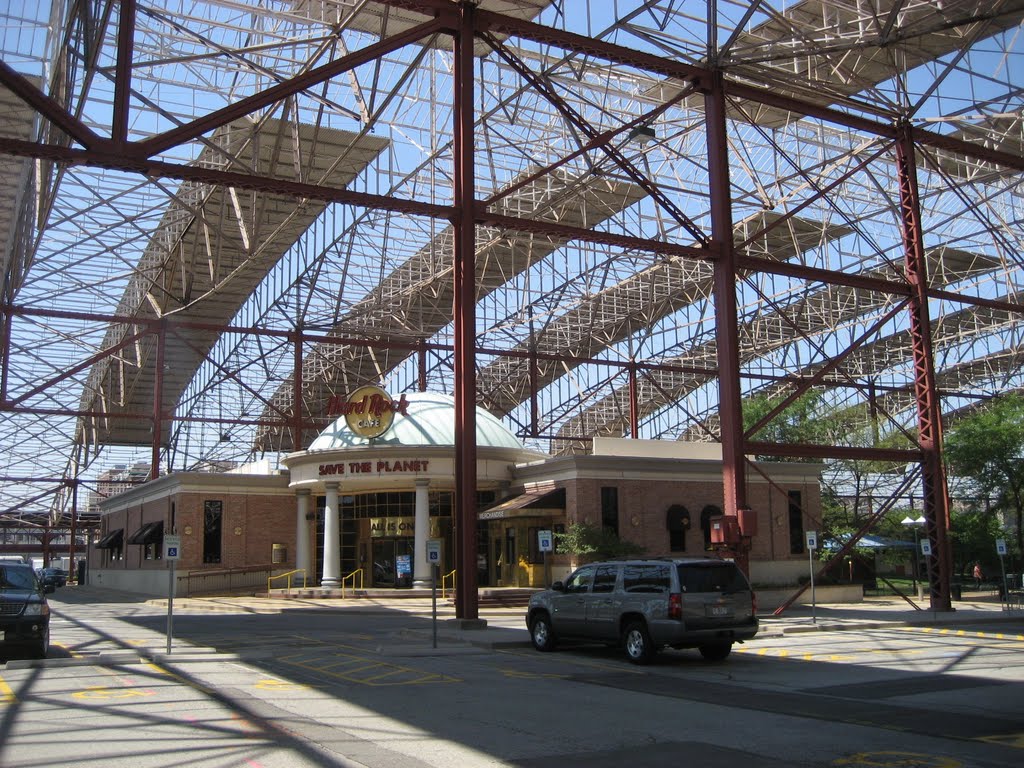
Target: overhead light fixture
pixel 642 134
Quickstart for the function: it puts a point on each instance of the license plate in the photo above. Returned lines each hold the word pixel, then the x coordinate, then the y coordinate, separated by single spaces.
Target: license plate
pixel 719 610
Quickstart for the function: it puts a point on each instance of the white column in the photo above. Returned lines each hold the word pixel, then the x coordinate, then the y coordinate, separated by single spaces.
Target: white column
pixel 332 547
pixel 302 560
pixel 421 569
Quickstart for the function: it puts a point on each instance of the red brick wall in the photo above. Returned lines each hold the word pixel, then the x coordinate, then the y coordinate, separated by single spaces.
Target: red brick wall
pixel 250 526
pixel 261 521
pixel 643 504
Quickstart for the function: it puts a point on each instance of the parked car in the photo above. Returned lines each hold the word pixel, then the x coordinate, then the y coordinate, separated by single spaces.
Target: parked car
pixel 24 611
pixel 645 605
pixel 56 577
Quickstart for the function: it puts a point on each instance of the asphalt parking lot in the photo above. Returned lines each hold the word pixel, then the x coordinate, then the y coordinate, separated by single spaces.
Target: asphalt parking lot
pixel 258 683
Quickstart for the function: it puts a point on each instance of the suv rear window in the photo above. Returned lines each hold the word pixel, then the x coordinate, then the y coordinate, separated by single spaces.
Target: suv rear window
pixel 711 577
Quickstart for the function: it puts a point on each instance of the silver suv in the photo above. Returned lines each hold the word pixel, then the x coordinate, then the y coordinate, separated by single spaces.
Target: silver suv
pixel 644 605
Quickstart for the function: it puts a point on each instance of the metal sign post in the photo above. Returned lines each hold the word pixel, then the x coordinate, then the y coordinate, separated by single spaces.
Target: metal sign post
pixel 172 552
pixel 812 544
pixel 434 561
pixel 1001 551
pixel 926 551
pixel 545 545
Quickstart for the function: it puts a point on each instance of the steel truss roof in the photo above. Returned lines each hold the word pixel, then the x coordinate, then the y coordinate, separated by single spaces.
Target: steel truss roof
pixel 243 206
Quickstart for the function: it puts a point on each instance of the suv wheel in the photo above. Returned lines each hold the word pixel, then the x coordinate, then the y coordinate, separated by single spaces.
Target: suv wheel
pixel 715 652
pixel 541 634
pixel 637 642
pixel 43 646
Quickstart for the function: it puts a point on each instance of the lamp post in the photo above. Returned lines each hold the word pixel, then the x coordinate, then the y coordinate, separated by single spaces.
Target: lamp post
pixel 915 523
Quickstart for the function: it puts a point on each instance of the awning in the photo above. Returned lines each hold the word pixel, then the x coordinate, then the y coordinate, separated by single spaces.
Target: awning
pixel 539 503
pixel 112 540
pixel 870 542
pixel 150 533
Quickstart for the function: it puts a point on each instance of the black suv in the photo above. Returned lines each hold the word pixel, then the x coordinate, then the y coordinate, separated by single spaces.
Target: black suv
pixel 24 612
pixel 56 577
pixel 644 605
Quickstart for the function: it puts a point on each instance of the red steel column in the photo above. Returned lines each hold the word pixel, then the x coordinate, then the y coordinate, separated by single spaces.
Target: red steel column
pixel 634 407
pixel 297 390
pixel 72 570
pixel 123 78
pixel 158 397
pixel 933 479
pixel 534 385
pixel 6 320
pixel 466 603
pixel 726 333
pixel 421 356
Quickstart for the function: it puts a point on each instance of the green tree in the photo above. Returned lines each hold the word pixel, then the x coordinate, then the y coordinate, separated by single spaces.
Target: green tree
pixel 972 532
pixel 796 424
pixel 848 485
pixel 592 542
pixel 986 451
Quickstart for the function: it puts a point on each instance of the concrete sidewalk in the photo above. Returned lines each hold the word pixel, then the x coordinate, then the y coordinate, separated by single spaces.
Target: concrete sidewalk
pixel 876 612
pixel 506 627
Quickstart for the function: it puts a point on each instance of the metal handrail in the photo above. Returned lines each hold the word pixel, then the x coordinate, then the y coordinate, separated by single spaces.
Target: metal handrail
pixel 356 575
pixel 202 581
pixel 289 577
pixel 444 582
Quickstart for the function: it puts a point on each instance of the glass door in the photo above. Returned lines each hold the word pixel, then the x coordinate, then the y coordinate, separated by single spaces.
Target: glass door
pixel 384 562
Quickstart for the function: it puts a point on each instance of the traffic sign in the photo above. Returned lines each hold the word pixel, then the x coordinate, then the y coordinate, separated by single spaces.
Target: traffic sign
pixel 172 547
pixel 926 547
pixel 812 539
pixel 1001 547
pixel 544 542
pixel 433 551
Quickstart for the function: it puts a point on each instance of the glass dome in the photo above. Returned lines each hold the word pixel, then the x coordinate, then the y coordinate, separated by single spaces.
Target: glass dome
pixel 429 421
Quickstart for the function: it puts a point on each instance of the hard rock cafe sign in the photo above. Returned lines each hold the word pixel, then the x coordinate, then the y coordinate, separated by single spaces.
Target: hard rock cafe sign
pixel 369 411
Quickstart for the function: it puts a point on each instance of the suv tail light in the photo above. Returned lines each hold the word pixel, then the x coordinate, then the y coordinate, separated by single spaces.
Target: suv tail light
pixel 675 606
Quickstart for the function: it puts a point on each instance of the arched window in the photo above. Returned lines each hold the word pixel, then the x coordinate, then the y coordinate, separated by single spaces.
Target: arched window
pixel 677 520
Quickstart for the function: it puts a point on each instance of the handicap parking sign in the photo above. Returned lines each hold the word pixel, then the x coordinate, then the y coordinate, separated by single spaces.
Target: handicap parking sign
pixel 172 547
pixel 544 543
pixel 433 551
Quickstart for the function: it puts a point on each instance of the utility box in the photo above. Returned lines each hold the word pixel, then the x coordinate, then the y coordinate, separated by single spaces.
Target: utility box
pixel 725 529
pixel 747 521
pixel 278 553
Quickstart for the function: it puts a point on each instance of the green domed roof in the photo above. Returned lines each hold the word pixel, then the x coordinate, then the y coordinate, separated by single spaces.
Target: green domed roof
pixel 429 420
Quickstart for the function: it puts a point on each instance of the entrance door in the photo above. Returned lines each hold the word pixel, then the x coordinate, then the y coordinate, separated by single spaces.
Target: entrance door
pixel 384 573
pixel 498 560
pixel 510 559
pixel 385 560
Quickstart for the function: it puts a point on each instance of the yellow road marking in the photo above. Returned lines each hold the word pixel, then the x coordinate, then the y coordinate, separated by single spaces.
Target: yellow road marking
pixel 519 673
pixel 897 760
pixel 100 692
pixel 281 685
pixel 384 677
pixel 6 694
pixel 70 651
pixel 1006 739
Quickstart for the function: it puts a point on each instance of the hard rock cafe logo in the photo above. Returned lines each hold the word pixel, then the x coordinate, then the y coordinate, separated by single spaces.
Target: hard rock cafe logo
pixel 369 411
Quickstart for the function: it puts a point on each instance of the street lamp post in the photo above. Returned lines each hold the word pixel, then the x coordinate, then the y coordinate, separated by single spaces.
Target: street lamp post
pixel 915 523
